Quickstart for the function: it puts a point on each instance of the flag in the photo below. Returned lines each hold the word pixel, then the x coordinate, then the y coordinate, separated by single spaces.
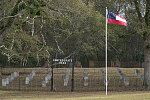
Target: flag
pixel 116 19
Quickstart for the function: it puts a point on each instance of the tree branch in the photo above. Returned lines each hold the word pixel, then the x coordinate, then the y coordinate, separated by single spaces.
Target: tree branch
pixel 9 17
pixel 59 50
pixel 138 9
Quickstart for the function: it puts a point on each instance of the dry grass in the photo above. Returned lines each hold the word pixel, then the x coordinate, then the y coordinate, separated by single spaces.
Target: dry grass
pixel 7 95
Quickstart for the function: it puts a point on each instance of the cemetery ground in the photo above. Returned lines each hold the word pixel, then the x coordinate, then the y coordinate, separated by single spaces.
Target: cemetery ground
pixel 123 84
pixel 128 95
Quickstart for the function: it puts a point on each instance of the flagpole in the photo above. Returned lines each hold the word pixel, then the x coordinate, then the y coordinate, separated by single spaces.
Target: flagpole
pixel 106 52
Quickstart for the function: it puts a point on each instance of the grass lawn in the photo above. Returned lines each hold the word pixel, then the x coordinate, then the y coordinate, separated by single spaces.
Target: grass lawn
pixel 142 95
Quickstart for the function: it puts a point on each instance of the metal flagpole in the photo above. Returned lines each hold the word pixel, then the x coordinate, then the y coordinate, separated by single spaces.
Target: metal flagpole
pixel 106 51
pixel 52 77
pixel 73 62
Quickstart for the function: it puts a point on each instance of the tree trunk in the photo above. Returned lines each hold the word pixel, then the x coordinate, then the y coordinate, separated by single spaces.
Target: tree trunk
pixel 147 48
pixel 147 62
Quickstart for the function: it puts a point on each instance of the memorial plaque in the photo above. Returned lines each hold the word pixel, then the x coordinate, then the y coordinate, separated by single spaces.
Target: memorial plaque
pixel 62 61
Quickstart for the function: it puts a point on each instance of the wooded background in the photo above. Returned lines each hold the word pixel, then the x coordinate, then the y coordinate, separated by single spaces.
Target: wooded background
pixel 35 31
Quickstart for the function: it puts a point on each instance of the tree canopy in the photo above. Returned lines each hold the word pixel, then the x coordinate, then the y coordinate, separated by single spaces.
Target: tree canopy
pixel 34 31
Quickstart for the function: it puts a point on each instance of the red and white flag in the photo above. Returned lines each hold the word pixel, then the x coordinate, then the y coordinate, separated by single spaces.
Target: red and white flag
pixel 116 19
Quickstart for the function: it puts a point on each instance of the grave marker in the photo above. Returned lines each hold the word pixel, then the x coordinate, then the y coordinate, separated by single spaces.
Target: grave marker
pixel 15 74
pixel 43 84
pixel 85 77
pixel 123 77
pixel 103 76
pixel 28 78
pixel 9 78
pixel 66 79
pixel 137 72
pixel 3 82
pixel 47 78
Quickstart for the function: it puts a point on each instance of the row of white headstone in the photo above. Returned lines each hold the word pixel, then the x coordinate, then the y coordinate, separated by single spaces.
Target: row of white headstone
pixel 66 79
pixel 85 77
pixel 126 82
pixel 9 78
pixel 137 72
pixel 28 78
pixel 103 76
pixel 47 78
pixel 123 77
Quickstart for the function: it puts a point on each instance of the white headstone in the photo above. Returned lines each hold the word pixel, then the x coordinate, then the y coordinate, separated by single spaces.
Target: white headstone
pixel 7 80
pixel 123 77
pixel 15 74
pixel 46 79
pixel 31 75
pixel 137 72
pixel 65 82
pixel 3 82
pixel 27 80
pixel 66 79
pixel 12 77
pixel 85 77
pixel 33 72
pixel 43 84
pixel 103 76
pixel 126 82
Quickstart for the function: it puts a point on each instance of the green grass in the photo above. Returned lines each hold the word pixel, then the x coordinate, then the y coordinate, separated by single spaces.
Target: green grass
pixel 6 92
pixel 79 96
